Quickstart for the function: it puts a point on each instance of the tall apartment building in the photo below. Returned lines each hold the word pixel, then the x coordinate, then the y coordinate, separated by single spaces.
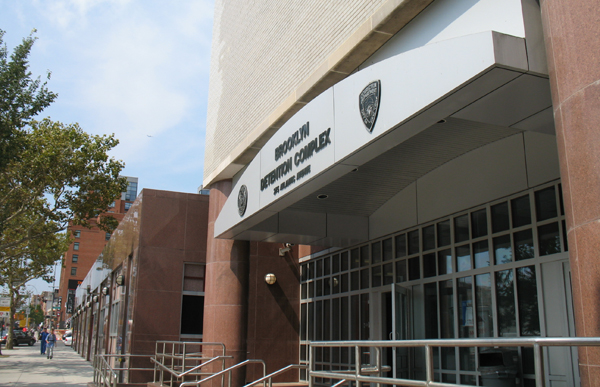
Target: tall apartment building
pixel 85 249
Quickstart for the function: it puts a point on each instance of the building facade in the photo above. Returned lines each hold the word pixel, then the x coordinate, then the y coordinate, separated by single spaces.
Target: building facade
pixel 147 284
pixel 436 162
pixel 87 245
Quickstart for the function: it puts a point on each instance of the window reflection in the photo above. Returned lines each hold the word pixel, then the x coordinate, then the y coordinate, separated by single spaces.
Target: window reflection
pixel 481 254
pixel 430 306
pixel 505 299
pixel 485 317
pixel 387 249
pixel 465 307
pixel 401 271
pixel 376 273
pixel 521 212
pixel 400 246
pixel 523 245
pixel 548 239
pixel 545 204
pixel 461 228
pixel 502 250
pixel 414 269
pixel 479 223
pixel 500 217
pixel 376 252
pixel 413 242
pixel 429 265
pixel 443 233
pixel 445 261
pixel 463 258
pixel 446 309
pixel 428 238
pixel 529 318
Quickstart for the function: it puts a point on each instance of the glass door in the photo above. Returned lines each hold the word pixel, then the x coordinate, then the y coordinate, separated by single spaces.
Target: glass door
pixel 390 316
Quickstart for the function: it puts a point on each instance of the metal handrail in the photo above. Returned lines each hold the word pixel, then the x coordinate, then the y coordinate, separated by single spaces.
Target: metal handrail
pixel 103 370
pixel 340 383
pixel 103 373
pixel 536 342
pixel 271 375
pixel 227 370
pixel 178 357
pixel 172 372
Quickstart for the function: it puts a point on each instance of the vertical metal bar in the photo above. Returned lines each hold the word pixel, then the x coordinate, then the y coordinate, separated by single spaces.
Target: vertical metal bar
pixel 429 363
pixel 539 365
pixel 156 358
pixel 358 364
pixel 115 381
pixel 311 364
pixel 378 363
pixel 264 365
pixel 173 360
pixel 183 361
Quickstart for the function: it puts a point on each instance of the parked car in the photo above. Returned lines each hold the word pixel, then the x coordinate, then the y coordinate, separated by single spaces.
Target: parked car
pixel 19 337
pixel 68 338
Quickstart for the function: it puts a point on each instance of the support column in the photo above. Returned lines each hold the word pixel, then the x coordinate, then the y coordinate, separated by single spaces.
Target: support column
pixel 226 303
pixel 572 44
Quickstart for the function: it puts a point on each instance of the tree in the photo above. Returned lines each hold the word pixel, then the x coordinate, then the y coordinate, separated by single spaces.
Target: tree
pixel 64 176
pixel 52 175
pixel 21 97
pixel 36 316
pixel 27 261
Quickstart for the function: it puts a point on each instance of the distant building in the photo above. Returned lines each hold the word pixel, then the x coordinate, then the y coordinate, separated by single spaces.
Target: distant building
pixel 85 249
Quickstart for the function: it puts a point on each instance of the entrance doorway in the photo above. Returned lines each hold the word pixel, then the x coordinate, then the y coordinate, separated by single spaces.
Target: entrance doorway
pixel 390 321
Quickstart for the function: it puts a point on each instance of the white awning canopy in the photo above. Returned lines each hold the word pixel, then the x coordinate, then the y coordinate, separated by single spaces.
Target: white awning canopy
pixel 323 174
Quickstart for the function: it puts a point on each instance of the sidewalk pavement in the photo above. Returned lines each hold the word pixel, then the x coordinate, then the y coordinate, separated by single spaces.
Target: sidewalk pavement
pixel 26 367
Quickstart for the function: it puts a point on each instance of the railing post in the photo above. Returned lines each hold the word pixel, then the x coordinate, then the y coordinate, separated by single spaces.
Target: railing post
pixel 429 363
pixel 311 364
pixel 183 360
pixel 539 364
pixel 378 363
pixel 114 381
pixel 358 362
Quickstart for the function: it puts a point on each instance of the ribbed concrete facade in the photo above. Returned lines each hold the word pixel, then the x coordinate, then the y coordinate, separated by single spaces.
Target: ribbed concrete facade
pixel 256 83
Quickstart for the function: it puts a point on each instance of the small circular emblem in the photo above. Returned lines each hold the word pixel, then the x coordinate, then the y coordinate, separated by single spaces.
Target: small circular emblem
pixel 242 200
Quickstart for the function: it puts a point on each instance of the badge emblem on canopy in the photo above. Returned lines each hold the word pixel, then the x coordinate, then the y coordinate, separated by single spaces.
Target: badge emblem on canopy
pixel 368 103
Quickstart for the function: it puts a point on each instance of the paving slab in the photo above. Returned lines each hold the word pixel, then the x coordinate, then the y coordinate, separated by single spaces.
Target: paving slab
pixel 24 366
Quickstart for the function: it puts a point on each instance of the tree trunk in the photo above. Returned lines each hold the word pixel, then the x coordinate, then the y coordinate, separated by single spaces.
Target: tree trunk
pixel 11 322
pixel 14 300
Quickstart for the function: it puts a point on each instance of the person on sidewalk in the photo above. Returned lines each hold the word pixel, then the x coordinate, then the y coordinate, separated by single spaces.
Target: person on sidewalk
pixel 43 336
pixel 51 340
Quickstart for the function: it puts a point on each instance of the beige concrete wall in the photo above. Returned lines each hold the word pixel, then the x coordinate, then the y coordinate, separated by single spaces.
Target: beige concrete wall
pixel 266 53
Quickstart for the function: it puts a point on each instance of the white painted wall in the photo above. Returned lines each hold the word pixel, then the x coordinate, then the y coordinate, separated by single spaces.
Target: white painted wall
pixel 447 19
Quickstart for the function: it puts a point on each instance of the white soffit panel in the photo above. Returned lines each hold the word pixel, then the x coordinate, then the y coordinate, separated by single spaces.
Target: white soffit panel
pixel 418 88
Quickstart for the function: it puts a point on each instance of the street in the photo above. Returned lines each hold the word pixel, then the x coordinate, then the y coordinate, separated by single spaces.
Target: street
pixel 25 366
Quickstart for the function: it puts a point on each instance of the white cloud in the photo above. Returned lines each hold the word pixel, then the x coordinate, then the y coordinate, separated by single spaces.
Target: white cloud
pixel 130 67
pixel 74 13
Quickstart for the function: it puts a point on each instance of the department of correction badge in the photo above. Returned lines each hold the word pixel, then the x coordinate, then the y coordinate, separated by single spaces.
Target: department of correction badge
pixel 242 200
pixel 368 103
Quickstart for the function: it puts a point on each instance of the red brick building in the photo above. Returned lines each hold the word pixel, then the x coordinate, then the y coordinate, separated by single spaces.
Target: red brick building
pixel 85 249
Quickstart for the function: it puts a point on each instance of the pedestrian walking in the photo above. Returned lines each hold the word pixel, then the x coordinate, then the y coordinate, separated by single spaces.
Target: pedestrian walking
pixel 51 340
pixel 43 336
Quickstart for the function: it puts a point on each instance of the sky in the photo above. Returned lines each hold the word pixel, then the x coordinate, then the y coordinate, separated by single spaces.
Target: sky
pixel 135 68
